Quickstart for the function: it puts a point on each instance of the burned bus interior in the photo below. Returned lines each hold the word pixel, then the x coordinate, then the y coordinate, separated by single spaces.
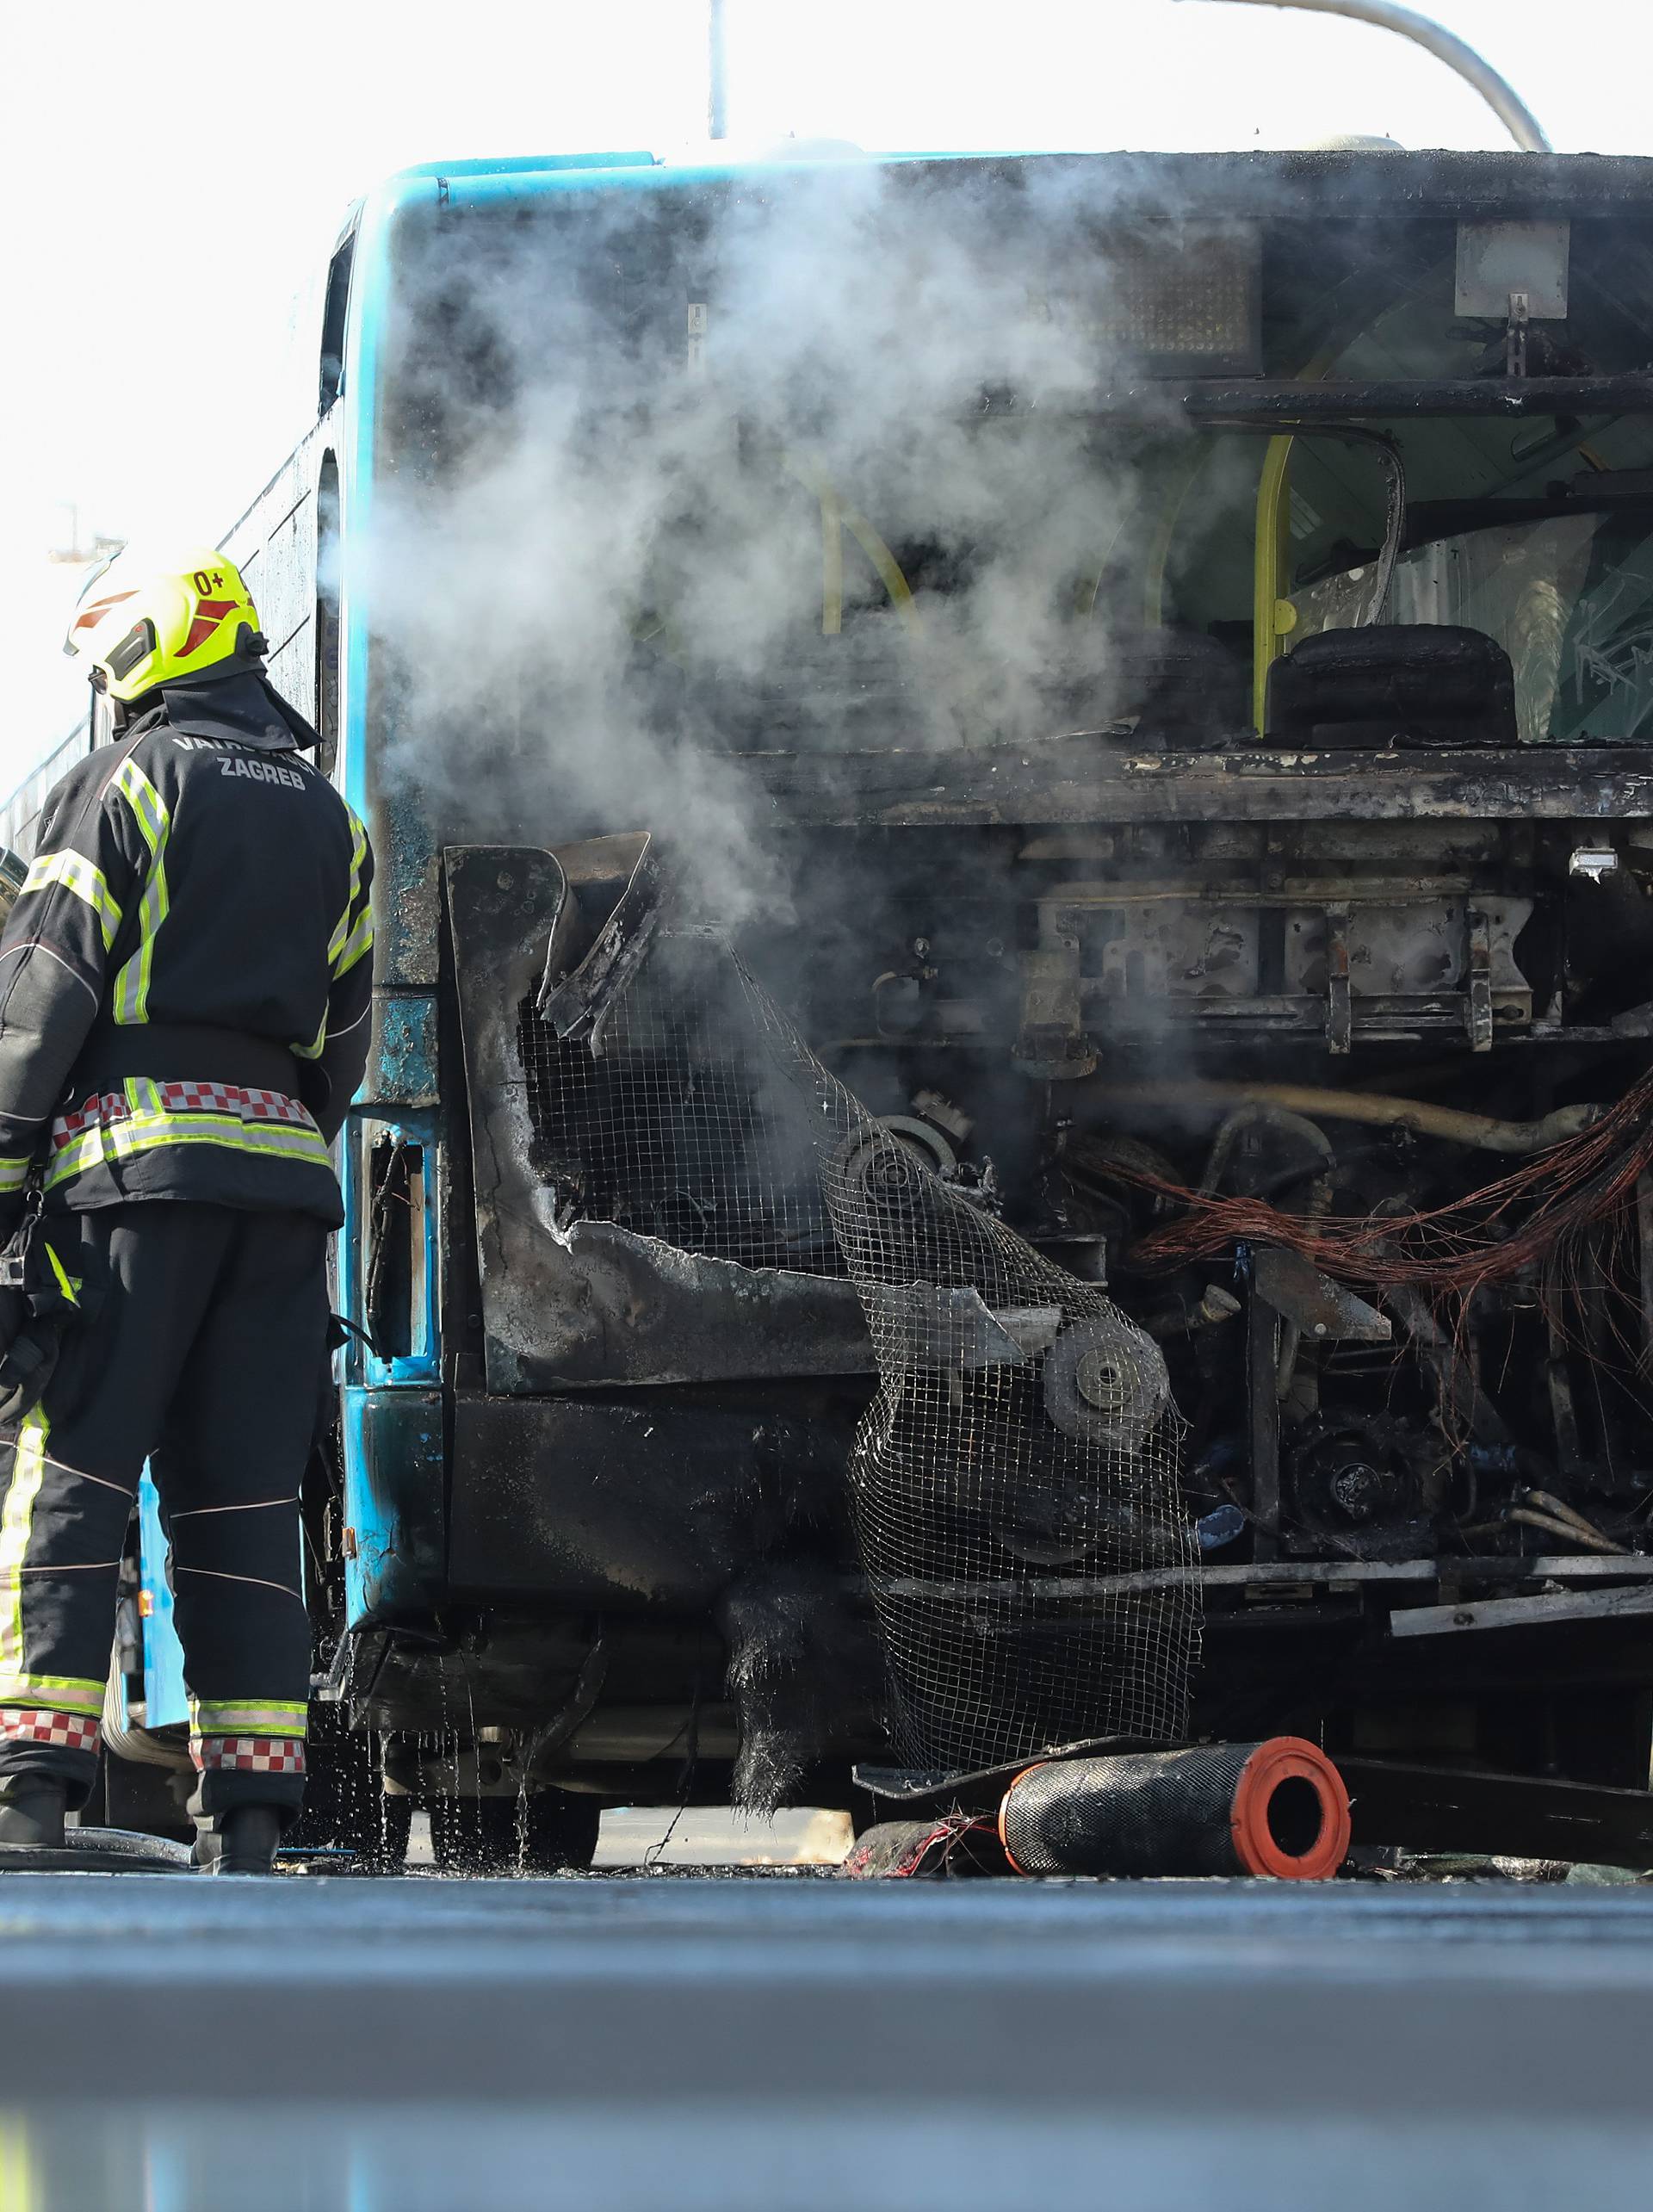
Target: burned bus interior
pixel 1048 1127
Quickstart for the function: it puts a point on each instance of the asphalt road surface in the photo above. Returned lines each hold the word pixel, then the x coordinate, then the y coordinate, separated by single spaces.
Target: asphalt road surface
pixel 766 2045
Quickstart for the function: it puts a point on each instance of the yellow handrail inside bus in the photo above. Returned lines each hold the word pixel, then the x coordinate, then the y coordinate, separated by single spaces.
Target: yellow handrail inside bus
pixel 885 561
pixel 1272 615
pixel 836 517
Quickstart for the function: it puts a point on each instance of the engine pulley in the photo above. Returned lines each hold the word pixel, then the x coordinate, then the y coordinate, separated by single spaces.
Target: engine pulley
pixel 1105 1382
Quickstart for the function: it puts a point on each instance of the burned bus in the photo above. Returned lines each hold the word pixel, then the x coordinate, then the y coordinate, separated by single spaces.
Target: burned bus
pixel 1010 1098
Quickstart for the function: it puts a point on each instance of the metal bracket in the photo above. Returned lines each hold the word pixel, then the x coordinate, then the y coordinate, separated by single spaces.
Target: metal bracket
pixel 1516 335
pixel 1480 1013
pixel 1262 1410
pixel 1321 1308
pixel 1051 1045
pixel 1339 1008
pixel 576 1005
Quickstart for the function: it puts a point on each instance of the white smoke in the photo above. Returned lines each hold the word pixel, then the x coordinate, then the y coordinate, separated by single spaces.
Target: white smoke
pixel 613 554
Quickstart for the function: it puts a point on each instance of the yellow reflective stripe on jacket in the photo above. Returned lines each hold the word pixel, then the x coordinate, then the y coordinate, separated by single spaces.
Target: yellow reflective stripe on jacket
pixel 76 874
pixel 66 1281
pixel 246 1717
pixel 125 1140
pixel 356 945
pixel 13 1172
pixel 131 999
pixel 150 1124
pixel 358 855
pixel 28 1466
pixel 350 940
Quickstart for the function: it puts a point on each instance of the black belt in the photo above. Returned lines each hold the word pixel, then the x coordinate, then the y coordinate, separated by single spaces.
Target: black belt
pixel 180 1052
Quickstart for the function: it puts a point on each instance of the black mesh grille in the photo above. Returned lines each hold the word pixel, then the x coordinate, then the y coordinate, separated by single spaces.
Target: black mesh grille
pixel 675 1128
pixel 1014 1482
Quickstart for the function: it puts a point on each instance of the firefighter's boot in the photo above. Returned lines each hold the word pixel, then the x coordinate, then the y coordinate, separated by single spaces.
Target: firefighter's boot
pixel 31 1808
pixel 247 1837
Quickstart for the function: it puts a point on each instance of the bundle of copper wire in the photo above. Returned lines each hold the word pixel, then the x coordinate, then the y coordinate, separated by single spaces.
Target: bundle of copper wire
pixel 1525 1219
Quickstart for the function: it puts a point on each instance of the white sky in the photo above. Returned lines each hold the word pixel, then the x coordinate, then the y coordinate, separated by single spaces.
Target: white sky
pixel 175 178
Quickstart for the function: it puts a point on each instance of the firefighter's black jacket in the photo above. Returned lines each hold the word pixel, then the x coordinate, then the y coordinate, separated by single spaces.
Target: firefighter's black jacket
pixel 186 975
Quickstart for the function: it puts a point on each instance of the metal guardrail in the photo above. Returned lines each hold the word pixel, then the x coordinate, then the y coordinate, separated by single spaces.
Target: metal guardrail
pixel 21 810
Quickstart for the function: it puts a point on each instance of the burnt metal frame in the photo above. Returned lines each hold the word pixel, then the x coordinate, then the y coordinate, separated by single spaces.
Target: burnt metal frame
pixel 1298 405
pixel 1116 777
pixel 587 1304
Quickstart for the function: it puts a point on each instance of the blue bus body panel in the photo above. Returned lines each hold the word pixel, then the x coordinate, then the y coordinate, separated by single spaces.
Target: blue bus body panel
pixel 394 1459
pixel 517 165
pixel 165 1701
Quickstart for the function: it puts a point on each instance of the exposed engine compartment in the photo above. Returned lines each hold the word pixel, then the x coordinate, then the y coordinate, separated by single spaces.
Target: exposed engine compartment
pixel 1343 1113
pixel 1336 1021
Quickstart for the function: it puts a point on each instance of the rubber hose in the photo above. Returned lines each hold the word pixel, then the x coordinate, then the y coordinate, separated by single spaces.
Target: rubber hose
pixel 1373 1107
pixel 1271 1117
pixel 1551 1526
pixel 1278 1807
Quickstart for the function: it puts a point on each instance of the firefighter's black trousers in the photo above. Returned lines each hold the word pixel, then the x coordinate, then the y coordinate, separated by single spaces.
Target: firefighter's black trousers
pixel 201 1351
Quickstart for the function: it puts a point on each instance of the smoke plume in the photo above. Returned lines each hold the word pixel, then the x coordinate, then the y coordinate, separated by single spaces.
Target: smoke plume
pixel 687 474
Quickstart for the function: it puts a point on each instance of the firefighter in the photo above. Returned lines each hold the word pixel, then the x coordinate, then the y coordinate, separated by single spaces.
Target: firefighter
pixel 184 988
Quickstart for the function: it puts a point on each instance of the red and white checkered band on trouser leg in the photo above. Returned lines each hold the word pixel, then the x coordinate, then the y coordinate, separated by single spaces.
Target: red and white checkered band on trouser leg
pixel 46 1741
pixel 247 1754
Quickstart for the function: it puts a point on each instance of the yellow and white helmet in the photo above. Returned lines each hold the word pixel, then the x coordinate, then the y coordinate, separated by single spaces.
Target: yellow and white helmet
pixel 140 625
